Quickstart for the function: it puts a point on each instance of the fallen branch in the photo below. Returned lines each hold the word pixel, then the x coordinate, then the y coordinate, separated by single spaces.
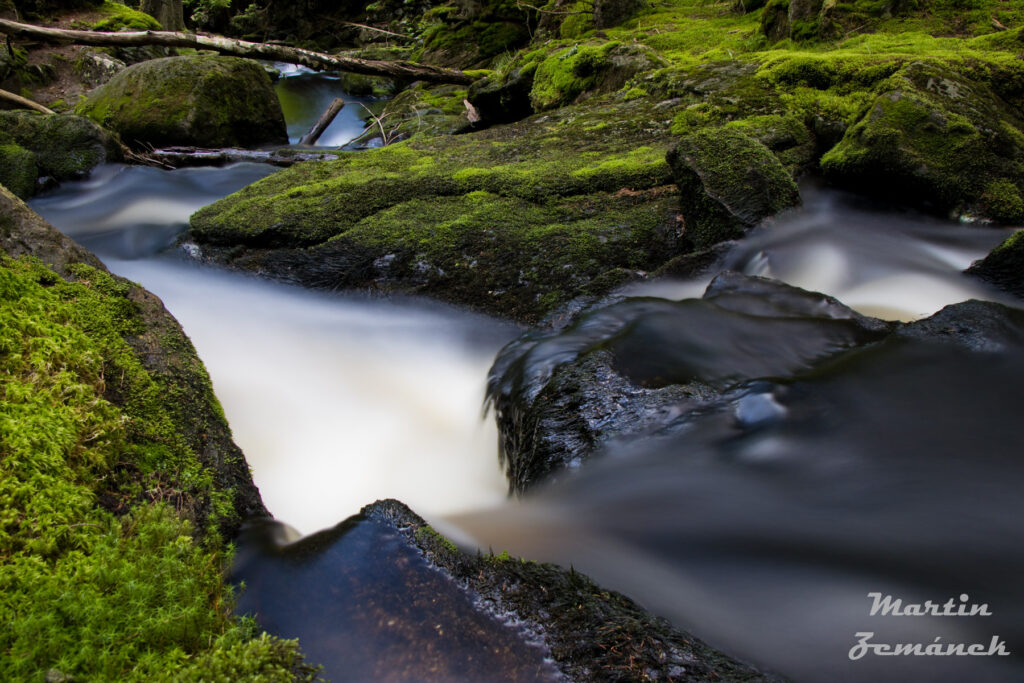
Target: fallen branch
pixel 181 157
pixel 23 103
pixel 240 48
pixel 378 30
pixel 321 124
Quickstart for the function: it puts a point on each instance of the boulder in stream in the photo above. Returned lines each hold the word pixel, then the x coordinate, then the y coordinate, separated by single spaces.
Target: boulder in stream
pixel 422 605
pixel 1004 266
pixel 635 366
pixel 192 100
pixel 939 137
pixel 62 147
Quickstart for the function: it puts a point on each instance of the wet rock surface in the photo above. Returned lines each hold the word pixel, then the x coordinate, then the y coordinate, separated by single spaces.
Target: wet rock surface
pixel 1004 266
pixel 635 366
pixel 384 596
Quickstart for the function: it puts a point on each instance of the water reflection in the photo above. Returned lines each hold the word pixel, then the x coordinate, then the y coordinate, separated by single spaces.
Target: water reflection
pixel 305 96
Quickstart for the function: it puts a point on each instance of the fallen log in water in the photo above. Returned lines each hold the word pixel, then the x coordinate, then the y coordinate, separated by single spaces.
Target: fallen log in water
pixel 321 124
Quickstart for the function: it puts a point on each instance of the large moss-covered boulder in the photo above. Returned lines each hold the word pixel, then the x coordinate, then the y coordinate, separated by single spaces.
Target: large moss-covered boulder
pixel 939 138
pixel 200 100
pixel 1004 266
pixel 63 147
pixel 515 219
pixel 728 182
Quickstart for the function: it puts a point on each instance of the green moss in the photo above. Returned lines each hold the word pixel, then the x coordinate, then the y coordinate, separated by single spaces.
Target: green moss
pixel 567 73
pixel 104 572
pixel 728 182
pixel 118 17
pixel 576 25
pixel 1002 201
pixel 65 147
pixel 18 170
pixel 936 136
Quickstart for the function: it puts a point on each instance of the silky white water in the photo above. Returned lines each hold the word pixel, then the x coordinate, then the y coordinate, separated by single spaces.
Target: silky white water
pixel 338 400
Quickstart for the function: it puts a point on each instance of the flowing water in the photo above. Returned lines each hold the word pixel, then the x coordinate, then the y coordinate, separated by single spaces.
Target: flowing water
pixel 897 471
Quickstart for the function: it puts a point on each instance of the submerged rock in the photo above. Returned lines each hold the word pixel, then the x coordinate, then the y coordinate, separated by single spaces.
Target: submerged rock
pixel 1004 266
pixel 383 596
pixel 635 366
pixel 199 100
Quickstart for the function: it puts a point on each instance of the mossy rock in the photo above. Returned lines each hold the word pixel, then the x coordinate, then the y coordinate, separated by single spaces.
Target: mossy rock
pixel 473 34
pixel 119 17
pixel 200 100
pixel 580 71
pixel 504 97
pixel 515 219
pixel 939 138
pixel 728 182
pixel 1004 266
pixel 18 170
pixel 422 109
pixel 66 147
pixel 120 484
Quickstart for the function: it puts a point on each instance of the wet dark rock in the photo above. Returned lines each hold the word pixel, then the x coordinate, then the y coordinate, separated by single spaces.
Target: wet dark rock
pixel 728 182
pixel 504 99
pixel 973 325
pixel 1004 266
pixel 424 605
pixel 637 365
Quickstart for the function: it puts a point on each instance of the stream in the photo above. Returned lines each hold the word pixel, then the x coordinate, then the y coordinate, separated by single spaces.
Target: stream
pixel 899 473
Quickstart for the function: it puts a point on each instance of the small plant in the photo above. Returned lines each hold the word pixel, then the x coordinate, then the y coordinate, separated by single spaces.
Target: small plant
pixel 387 136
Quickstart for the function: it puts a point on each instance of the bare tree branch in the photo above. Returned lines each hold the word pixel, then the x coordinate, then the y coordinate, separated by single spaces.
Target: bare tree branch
pixel 23 103
pixel 241 48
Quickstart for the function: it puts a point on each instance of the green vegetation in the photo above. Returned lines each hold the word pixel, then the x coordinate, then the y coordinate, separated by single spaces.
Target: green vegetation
pixel 18 171
pixel 118 17
pixel 111 555
pixel 919 104
pixel 498 220
pixel 63 147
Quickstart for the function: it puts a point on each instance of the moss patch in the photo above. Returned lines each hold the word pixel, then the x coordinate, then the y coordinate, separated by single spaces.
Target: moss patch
pixel 18 170
pixel 551 207
pixel 110 556
pixel 118 17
